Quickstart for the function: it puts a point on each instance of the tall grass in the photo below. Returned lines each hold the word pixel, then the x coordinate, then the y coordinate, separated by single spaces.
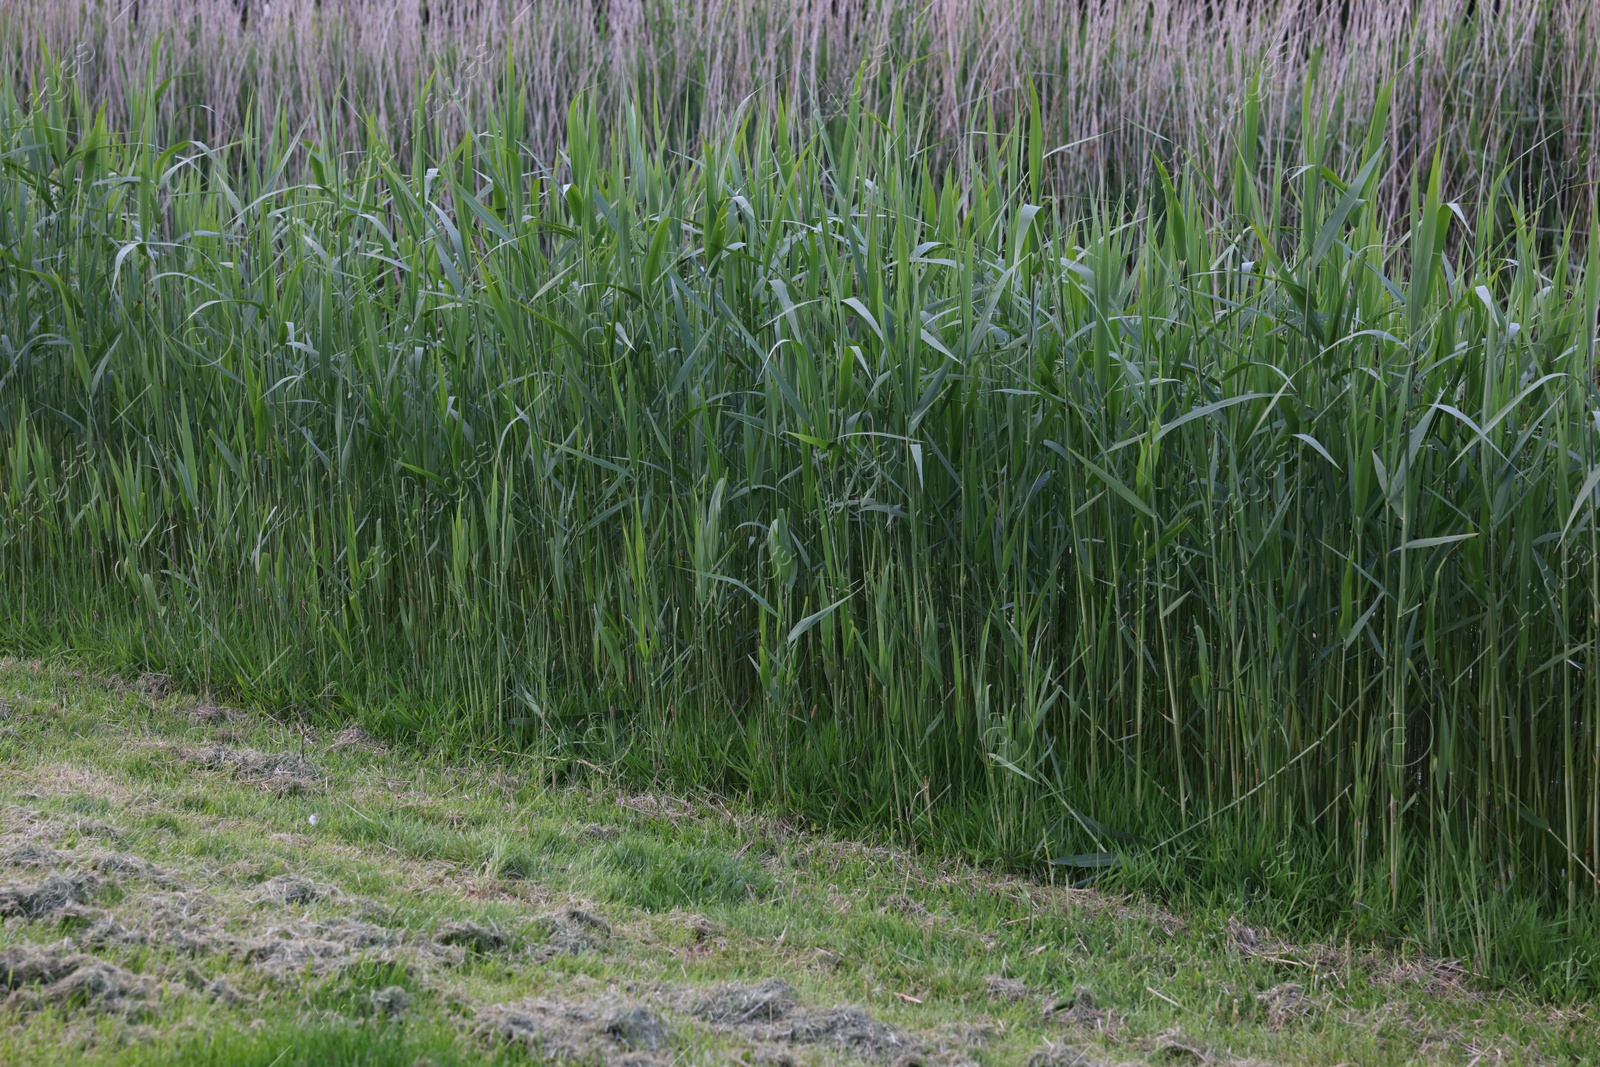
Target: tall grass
pixel 1246 549
pixel 1117 80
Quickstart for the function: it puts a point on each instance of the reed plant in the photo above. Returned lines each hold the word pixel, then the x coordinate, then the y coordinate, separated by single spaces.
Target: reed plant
pixel 1119 82
pixel 1239 548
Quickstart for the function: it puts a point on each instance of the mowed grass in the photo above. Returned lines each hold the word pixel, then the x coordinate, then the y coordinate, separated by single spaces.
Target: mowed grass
pixel 1236 546
pixel 964 964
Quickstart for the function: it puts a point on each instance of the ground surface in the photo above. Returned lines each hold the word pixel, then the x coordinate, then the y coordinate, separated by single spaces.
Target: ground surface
pixel 187 883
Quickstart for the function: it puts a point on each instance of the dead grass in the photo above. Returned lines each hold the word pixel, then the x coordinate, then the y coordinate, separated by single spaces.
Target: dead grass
pixel 1118 80
pixel 59 976
pixel 76 780
pixel 473 937
pixel 772 1014
pixel 575 1030
pixel 856 972
pixel 43 898
pixel 281 773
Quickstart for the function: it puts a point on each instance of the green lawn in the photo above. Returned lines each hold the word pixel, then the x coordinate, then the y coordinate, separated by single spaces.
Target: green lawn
pixel 184 883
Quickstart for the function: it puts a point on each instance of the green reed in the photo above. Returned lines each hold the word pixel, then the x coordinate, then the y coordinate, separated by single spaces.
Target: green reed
pixel 1511 85
pixel 1248 554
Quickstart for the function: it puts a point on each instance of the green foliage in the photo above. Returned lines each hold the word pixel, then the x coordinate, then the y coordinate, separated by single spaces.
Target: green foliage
pixel 350 992
pixel 1180 546
pixel 847 922
pixel 659 877
pixel 332 1043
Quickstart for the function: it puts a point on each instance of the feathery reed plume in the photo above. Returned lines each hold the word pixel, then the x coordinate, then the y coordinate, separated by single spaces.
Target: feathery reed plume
pixel 1120 81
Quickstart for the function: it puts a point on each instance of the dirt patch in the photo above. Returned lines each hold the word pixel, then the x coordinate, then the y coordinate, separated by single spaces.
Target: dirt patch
pixel 282 773
pixel 573 931
pixel 62 977
pixel 37 900
pixel 573 1031
pixel 473 937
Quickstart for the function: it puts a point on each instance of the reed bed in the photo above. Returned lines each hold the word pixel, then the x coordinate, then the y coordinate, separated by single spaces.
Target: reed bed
pixel 1119 81
pixel 1237 545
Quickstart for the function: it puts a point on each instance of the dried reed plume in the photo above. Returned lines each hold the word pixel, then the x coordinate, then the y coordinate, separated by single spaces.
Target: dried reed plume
pixel 1510 83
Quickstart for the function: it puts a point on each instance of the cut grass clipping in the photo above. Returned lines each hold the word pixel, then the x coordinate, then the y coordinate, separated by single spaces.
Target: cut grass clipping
pixel 1244 550
pixel 411 908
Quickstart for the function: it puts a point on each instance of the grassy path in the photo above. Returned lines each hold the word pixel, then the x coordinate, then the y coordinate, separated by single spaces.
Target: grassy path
pixel 183 883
